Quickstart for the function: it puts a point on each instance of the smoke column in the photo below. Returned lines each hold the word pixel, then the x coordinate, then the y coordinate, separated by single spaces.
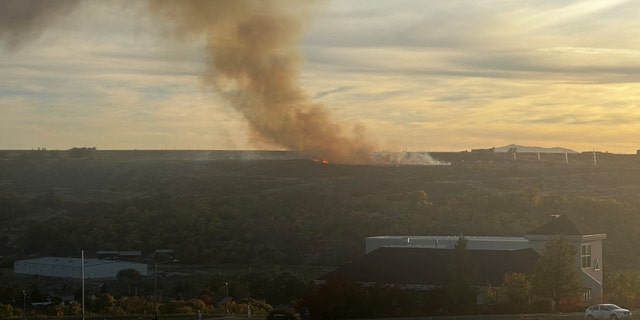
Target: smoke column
pixel 24 20
pixel 253 61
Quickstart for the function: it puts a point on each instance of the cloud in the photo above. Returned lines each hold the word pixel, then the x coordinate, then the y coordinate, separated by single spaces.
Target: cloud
pixel 24 20
pixel 569 13
pixel 426 75
pixel 330 92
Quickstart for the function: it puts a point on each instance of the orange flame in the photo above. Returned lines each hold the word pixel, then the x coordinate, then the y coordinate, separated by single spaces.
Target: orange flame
pixel 323 161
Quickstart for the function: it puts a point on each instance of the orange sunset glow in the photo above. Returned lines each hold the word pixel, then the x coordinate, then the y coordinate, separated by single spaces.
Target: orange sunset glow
pixel 373 76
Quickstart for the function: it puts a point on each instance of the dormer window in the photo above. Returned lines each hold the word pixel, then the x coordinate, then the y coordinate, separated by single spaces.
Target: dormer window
pixel 586 255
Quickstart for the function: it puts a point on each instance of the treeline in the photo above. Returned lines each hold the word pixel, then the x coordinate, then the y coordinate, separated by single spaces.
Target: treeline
pixel 43 153
pixel 338 298
pixel 300 226
pixel 133 294
pixel 293 227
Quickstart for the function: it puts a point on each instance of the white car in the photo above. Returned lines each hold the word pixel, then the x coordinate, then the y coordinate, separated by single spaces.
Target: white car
pixel 606 311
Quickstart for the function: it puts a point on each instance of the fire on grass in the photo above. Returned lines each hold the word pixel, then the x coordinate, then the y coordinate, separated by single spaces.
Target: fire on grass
pixel 395 159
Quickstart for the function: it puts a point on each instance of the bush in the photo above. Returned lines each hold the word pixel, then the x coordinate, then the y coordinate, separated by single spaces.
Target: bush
pixel 6 311
pixel 542 306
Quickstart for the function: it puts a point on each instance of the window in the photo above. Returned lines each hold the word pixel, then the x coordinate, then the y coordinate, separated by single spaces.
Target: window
pixel 586 255
pixel 586 295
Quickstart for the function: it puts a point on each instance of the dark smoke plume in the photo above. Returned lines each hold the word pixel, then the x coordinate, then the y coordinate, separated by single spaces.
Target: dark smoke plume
pixel 24 20
pixel 254 62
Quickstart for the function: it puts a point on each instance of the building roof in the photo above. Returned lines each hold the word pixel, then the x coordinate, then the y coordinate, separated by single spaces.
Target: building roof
pixel 448 242
pixel 74 262
pixel 430 266
pixel 563 225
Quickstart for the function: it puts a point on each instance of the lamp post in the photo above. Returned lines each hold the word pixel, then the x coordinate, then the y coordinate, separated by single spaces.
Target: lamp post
pixel 24 305
pixel 226 297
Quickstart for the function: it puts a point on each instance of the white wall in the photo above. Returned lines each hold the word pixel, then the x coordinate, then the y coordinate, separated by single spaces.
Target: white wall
pixel 71 267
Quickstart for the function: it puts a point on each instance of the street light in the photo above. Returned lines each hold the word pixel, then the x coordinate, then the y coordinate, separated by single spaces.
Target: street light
pixel 226 297
pixel 24 305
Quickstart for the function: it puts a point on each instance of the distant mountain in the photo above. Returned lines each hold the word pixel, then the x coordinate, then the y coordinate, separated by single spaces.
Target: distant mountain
pixel 534 149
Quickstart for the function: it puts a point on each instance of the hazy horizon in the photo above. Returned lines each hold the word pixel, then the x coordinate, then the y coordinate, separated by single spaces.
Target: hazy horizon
pixel 498 149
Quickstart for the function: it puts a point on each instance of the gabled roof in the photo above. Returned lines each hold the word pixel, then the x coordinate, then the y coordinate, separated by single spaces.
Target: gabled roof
pixel 430 266
pixel 562 225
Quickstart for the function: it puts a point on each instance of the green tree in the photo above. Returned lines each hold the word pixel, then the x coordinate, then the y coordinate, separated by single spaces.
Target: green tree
pixel 459 287
pixel 517 287
pixel 56 310
pixel 102 304
pixel 556 274
pixel 623 287
pixel 136 305
pixel 253 284
pixel 6 311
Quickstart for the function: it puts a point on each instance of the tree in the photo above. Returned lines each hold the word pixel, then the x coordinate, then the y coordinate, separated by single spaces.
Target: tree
pixel 102 304
pixel 287 287
pixel 6 311
pixel 517 287
pixel 556 274
pixel 623 287
pixel 459 287
pixel 83 152
pixel 135 305
pixel 131 279
pixel 418 199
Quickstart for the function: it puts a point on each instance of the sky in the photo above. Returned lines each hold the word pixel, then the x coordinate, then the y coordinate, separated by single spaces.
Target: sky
pixel 412 75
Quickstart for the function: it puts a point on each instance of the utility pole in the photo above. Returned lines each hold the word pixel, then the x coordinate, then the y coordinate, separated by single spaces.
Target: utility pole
pixel 82 275
pixel 154 315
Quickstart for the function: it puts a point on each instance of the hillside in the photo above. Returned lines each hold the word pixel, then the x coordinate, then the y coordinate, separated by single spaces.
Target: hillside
pixel 529 149
pixel 278 208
